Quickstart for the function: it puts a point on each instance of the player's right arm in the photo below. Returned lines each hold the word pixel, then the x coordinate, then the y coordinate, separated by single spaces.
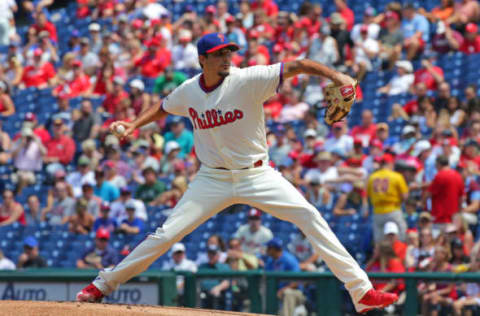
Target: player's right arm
pixel 152 114
pixel 174 103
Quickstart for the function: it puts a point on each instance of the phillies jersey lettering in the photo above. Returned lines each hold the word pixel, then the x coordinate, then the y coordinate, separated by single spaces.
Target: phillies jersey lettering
pixel 228 121
pixel 213 118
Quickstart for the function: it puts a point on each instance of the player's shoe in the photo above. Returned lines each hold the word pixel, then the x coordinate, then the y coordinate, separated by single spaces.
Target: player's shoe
pixel 90 294
pixel 375 299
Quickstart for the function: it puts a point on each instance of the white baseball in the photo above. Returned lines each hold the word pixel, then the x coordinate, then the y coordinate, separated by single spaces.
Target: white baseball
pixel 120 129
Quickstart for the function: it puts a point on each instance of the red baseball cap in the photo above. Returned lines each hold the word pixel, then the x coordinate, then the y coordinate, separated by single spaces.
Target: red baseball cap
pixel 77 63
pixel 354 161
pixel 277 48
pixel 155 22
pixel 137 23
pixel 154 42
pixel 376 143
pixel 253 34
pixel 471 28
pixel 103 233
pixel 254 213
pixel 392 15
pixel 339 124
pixel 357 141
pixel 37 52
pixel 364 28
pixel 30 117
pixel 211 9
pixel 110 164
pixel 387 158
pixel 229 19
pixel 178 165
pixel 303 23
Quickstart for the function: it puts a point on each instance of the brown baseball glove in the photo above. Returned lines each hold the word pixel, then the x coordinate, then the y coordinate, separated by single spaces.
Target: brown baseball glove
pixel 339 101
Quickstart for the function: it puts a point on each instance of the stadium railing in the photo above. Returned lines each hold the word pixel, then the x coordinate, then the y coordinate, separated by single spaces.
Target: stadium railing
pixel 328 294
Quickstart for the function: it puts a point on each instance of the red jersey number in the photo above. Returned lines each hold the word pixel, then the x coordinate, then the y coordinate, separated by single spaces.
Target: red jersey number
pixel 380 185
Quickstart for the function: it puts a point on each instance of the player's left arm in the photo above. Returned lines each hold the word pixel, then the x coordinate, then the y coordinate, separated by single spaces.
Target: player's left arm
pixel 310 67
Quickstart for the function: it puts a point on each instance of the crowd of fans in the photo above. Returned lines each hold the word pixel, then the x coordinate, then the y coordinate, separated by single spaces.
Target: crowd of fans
pixel 419 190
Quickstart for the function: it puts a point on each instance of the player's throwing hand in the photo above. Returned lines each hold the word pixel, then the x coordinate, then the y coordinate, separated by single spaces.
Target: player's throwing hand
pixel 121 129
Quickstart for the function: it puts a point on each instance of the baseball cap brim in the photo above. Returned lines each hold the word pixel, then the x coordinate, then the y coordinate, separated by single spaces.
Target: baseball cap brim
pixel 232 46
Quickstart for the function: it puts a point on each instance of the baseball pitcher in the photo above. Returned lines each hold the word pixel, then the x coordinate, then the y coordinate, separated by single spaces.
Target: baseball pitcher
pixel 225 106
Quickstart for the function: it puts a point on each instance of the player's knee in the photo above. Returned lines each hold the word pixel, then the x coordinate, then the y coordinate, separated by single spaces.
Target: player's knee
pixel 308 216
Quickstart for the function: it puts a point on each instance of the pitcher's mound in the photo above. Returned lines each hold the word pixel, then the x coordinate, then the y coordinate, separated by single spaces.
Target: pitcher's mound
pixel 37 308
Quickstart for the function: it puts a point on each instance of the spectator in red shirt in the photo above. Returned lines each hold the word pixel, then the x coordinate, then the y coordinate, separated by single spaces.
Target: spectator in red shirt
pixel 61 148
pixel 268 6
pixel 154 61
pixel 446 39
pixel 42 24
pixel 471 42
pixel 385 260
pixel 367 130
pixel 470 152
pixel 284 30
pixel 431 75
pixel 38 130
pixel 446 191
pixel 105 74
pixel 11 211
pixel 103 9
pixel 40 74
pixel 210 21
pixel 256 54
pixel 390 231
pixel 346 13
pixel 420 92
pixel 261 26
pixel 114 98
pixel 78 86
pixel 82 9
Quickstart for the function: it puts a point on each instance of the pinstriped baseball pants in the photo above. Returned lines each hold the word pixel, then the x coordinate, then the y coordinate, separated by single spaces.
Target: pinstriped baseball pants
pixel 213 190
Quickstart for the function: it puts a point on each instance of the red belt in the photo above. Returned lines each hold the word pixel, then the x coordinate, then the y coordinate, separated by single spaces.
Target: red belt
pixel 257 164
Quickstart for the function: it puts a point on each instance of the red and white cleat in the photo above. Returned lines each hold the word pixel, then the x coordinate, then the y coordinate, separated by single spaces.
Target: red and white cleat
pixel 90 294
pixel 374 299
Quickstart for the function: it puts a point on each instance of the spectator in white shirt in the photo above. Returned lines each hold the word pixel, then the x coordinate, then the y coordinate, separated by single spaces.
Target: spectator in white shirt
pixel 324 48
pixel 213 241
pixel 302 249
pixel 369 21
pixel 402 81
pixel 88 58
pixel 27 153
pixel 324 171
pixel 365 50
pixel 184 54
pixel 339 139
pixel 179 262
pixel 5 263
pixel 254 236
pixel 295 109
pixel 7 8
pixel 118 210
pixel 83 175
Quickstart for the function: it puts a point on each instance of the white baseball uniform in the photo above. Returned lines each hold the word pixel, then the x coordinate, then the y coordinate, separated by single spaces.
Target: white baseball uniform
pixel 230 141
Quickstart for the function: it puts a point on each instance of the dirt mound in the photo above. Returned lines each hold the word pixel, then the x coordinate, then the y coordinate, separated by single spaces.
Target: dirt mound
pixel 36 308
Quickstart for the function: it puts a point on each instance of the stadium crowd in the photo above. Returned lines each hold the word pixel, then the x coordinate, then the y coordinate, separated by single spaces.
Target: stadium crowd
pixel 406 171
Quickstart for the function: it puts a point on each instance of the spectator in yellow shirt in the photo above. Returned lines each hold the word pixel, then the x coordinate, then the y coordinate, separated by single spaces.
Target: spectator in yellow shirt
pixel 387 190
